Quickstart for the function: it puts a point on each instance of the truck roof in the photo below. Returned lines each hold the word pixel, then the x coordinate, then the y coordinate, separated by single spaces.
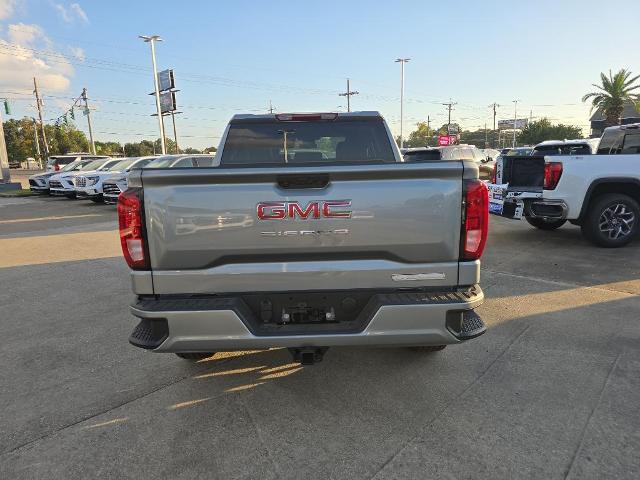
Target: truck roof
pixel 239 117
pixel 567 142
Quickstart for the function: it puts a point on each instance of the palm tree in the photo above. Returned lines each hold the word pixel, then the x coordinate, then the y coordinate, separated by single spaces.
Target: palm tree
pixel 614 92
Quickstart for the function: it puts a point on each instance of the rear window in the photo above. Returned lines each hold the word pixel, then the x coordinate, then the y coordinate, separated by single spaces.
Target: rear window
pixel 422 155
pixel 631 143
pixel 566 149
pixel 611 142
pixel 296 143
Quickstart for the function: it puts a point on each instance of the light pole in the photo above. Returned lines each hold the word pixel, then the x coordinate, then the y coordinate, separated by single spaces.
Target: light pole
pixel 402 61
pixel 152 39
pixel 515 120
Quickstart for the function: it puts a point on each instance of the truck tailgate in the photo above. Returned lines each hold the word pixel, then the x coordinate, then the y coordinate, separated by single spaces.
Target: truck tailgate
pixel 222 230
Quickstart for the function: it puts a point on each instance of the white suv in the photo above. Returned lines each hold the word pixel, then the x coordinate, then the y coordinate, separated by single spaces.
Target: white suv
pixel 90 184
pixel 63 183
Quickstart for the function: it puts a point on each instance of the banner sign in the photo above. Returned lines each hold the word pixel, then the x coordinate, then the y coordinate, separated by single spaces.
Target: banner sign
pixel 508 124
pixel 166 80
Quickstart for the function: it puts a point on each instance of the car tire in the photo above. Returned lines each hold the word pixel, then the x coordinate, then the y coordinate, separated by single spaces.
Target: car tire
pixel 543 224
pixel 428 348
pixel 194 356
pixel 612 220
pixel 96 200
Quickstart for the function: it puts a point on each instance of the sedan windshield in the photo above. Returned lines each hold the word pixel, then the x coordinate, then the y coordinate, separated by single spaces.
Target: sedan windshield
pixel 71 166
pixel 94 165
pixel 121 165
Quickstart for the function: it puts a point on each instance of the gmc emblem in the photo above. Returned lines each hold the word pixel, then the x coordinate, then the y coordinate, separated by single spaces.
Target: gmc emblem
pixel 295 210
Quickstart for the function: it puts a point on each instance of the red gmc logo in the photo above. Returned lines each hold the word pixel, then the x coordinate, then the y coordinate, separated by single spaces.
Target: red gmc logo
pixel 313 210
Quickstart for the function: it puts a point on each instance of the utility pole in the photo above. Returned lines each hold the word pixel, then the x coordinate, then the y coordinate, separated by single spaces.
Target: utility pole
pixel 87 112
pixel 44 134
pixel 152 39
pixel 515 120
pixel 348 94
pixel 428 130
pixel 486 138
pixel 271 109
pixel 449 107
pixel 37 140
pixel 175 135
pixel 494 105
pixel 402 61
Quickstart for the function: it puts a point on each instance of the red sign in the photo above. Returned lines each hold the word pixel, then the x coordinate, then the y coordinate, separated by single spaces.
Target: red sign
pixel 444 140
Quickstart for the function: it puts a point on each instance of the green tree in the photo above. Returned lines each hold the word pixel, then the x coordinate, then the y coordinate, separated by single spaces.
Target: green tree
pixel 139 149
pixel 420 137
pixel 191 150
pixel 479 138
pixel 65 139
pixel 613 93
pixel 20 139
pixel 169 144
pixel 210 150
pixel 541 130
pixel 108 148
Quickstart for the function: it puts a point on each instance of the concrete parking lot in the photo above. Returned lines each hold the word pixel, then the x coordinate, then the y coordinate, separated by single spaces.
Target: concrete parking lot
pixel 550 391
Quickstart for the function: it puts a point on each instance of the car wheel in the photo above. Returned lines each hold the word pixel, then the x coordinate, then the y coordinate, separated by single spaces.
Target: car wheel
pixel 612 220
pixel 428 348
pixel 97 200
pixel 195 356
pixel 544 224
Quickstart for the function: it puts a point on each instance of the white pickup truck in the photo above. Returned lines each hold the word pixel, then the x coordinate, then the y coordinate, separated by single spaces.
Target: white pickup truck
pixel 600 193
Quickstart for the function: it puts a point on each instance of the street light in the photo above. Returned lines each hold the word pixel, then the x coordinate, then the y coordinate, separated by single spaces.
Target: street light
pixel 151 39
pixel 401 61
pixel 515 120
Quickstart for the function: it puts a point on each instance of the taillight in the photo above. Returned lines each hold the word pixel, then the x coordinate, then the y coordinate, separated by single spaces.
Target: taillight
pixel 56 167
pixel 131 224
pixel 476 220
pixel 552 174
pixel 494 173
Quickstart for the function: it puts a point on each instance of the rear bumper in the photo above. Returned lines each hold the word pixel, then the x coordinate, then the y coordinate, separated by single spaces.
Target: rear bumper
pixel 214 324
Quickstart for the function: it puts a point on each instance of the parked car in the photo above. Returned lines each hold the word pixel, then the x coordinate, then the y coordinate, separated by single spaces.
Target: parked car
pixel 39 183
pixel 600 192
pixel 345 245
pixel 90 184
pixel 117 183
pixel 182 161
pixel 583 146
pixel 453 152
pixel 55 163
pixel 63 183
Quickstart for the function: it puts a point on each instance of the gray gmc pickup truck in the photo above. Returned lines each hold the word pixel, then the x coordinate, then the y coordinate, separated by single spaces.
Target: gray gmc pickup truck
pixel 308 231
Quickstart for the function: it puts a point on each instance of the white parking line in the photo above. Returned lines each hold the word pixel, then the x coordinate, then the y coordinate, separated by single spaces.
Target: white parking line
pixel 40 219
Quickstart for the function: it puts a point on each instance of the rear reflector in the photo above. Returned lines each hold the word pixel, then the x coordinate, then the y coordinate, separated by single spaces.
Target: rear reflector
pixel 552 174
pixel 131 225
pixel 305 117
pixel 476 220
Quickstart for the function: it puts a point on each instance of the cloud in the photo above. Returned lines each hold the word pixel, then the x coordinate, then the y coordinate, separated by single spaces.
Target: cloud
pixel 71 13
pixel 78 53
pixel 27 52
pixel 7 8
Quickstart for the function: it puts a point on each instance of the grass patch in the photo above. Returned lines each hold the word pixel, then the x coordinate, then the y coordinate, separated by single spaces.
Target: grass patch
pixel 17 193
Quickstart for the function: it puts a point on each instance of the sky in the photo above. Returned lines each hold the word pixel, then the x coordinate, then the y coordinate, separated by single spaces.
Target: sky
pixel 237 56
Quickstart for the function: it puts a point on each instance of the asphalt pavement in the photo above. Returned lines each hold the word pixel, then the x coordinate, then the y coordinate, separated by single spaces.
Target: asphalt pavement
pixel 550 391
